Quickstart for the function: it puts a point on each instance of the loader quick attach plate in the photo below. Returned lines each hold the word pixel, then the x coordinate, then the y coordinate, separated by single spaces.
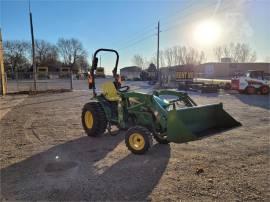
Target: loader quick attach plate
pixel 191 123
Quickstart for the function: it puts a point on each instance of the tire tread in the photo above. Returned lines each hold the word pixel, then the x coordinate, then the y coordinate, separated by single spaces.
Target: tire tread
pixel 99 126
pixel 145 133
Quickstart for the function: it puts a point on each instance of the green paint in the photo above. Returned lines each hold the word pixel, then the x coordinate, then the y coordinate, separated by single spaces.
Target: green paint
pixel 151 111
pixel 189 123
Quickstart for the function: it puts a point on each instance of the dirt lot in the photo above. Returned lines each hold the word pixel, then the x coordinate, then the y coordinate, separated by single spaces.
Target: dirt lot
pixel 45 155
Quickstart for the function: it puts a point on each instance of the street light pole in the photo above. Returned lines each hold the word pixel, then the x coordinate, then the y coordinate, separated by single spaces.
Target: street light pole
pixel 3 83
pixel 158 70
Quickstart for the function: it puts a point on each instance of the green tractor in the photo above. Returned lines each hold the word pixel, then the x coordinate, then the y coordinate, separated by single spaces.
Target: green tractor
pixel 145 116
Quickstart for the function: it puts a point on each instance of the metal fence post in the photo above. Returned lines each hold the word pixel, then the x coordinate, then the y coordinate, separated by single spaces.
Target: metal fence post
pixel 71 81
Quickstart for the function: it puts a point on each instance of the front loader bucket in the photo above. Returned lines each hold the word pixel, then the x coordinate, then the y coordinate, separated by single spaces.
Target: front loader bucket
pixel 191 123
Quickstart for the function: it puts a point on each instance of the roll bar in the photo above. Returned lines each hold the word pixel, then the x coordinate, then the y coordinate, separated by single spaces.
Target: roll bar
pixel 95 64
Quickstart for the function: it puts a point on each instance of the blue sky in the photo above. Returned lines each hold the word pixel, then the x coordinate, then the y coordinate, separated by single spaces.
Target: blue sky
pixel 130 26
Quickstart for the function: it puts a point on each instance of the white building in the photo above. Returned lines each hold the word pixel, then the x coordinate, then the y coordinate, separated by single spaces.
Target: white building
pixel 131 73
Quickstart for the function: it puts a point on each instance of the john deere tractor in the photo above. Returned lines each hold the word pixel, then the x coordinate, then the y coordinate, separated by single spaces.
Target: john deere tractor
pixel 165 115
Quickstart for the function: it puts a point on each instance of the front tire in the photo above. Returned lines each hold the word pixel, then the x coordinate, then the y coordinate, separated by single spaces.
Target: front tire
pixel 138 139
pixel 93 119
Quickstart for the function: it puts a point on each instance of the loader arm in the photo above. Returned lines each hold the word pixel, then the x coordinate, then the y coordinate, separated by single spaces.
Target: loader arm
pixel 147 110
pixel 181 97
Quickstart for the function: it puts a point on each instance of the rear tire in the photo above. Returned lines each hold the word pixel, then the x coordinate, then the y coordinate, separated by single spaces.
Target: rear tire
pixel 93 119
pixel 264 90
pixel 138 140
pixel 251 90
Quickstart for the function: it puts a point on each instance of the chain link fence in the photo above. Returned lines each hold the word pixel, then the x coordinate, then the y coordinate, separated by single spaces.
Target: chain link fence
pixel 45 81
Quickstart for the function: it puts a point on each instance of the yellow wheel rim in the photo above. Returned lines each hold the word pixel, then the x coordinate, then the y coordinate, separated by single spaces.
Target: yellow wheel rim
pixel 136 141
pixel 88 119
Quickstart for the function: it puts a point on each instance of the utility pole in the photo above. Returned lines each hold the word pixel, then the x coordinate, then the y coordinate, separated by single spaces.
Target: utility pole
pixel 33 50
pixel 3 80
pixel 159 73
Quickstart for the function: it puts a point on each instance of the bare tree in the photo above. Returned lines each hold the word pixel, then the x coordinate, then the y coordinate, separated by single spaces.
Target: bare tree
pixel 83 63
pixel 243 53
pixel 202 58
pixel 168 56
pixel 138 60
pixel 153 59
pixel 70 50
pixel 218 52
pixel 191 56
pixel 53 55
pixel 177 55
pixel 161 59
pixel 181 55
pixel 239 52
pixel 46 52
pixel 15 54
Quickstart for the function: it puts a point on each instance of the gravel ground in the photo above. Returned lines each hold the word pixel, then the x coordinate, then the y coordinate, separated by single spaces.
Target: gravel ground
pixel 45 155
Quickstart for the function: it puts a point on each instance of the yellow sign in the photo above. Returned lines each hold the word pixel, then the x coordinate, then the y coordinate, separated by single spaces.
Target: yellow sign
pixel 184 75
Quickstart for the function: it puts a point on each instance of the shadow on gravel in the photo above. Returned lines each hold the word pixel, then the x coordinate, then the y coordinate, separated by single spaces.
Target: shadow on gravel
pixel 262 101
pixel 86 169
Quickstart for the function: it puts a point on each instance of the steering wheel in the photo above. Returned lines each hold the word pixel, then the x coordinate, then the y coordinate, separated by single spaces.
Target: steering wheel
pixel 123 89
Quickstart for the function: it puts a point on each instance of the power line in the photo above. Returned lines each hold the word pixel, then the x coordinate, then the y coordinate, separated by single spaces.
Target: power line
pixel 141 39
pixel 134 39
pixel 184 18
pixel 146 37
pixel 216 5
pixel 150 28
pixel 138 41
pixel 176 14
pixel 136 36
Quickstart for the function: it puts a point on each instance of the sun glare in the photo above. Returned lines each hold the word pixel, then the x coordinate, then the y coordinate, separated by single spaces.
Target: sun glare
pixel 206 32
